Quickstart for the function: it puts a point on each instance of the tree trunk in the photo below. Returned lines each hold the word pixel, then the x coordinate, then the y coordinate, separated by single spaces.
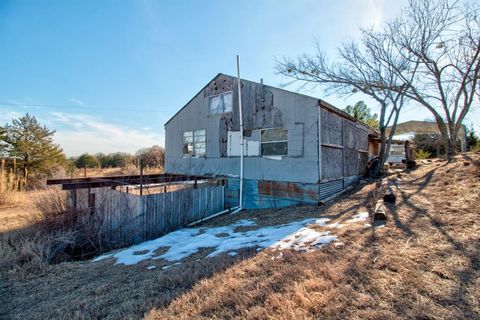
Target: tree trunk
pixel 25 175
pixel 381 155
pixel 451 146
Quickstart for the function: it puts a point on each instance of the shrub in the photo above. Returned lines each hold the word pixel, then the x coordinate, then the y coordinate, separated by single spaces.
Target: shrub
pixel 87 161
pixel 57 234
pixel 9 197
pixel 423 154
pixel 476 147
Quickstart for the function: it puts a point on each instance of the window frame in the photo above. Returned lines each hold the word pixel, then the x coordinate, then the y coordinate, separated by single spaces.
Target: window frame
pixel 194 153
pixel 275 141
pixel 218 95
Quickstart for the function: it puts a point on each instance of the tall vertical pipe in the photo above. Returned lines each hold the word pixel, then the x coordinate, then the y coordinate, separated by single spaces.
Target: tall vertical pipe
pixel 240 114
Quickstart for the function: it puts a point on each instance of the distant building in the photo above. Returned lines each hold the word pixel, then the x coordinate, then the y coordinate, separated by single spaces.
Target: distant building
pixel 407 130
pixel 298 149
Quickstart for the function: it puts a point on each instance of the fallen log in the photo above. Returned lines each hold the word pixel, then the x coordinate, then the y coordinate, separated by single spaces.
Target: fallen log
pixel 389 195
pixel 380 213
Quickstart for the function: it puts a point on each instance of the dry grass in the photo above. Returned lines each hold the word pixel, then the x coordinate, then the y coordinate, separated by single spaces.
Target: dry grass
pixel 18 210
pixel 425 264
pixel 128 170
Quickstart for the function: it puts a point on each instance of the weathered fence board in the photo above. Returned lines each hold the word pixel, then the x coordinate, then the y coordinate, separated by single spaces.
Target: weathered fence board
pixel 131 218
pixel 165 212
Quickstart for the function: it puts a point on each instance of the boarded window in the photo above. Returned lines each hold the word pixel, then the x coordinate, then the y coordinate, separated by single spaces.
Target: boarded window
pixel 332 163
pixel 194 143
pixel 221 103
pixel 274 142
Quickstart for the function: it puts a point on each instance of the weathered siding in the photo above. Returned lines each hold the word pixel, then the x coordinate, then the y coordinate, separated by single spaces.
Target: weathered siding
pixel 342 146
pixel 264 107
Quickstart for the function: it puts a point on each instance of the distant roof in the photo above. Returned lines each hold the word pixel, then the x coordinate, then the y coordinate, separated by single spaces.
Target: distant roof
pixel 323 103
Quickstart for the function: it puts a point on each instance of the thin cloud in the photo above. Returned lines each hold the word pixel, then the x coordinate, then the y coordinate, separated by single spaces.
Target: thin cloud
pixel 77 101
pixel 82 133
pixel 6 115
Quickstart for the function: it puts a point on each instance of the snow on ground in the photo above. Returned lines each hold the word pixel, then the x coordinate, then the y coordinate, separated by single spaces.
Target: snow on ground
pixel 296 235
pixel 362 216
pixel 182 243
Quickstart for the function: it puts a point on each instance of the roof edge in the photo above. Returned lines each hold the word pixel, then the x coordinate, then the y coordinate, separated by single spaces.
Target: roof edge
pixel 321 102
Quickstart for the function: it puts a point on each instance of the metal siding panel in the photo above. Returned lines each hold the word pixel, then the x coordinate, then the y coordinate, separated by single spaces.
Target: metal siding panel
pixel 330 188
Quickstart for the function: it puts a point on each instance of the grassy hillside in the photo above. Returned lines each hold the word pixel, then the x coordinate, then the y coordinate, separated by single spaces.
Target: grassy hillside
pixel 423 264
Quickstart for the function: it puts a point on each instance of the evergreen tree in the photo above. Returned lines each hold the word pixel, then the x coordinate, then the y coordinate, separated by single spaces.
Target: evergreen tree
pixel 472 138
pixel 361 112
pixel 87 161
pixel 26 140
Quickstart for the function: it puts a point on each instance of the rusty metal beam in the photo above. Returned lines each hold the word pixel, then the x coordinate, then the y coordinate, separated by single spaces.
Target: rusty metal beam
pixel 99 182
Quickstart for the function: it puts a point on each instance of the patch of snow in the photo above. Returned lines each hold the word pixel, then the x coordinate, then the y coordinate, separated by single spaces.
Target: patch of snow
pixel 232 253
pixel 362 216
pixel 305 239
pixel 380 226
pixel 151 267
pixel 185 242
pixel 335 225
pixel 279 256
pixel 321 222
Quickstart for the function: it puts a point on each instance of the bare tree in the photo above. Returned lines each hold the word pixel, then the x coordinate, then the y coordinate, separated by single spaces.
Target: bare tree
pixel 369 66
pixel 430 54
pixel 443 38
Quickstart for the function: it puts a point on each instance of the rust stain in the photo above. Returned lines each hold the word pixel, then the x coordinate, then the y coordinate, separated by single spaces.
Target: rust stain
pixel 286 189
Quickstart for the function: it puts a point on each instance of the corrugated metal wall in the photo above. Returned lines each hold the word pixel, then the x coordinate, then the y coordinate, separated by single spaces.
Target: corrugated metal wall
pixel 328 189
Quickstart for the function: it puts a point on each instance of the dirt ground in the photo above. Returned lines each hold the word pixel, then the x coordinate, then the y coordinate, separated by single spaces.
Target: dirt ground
pixel 424 264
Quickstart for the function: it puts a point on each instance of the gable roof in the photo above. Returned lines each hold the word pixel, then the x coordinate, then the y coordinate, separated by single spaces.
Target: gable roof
pixel 322 103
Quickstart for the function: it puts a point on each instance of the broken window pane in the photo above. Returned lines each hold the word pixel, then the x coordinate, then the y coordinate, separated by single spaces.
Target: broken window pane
pixel 221 103
pixel 187 149
pixel 194 143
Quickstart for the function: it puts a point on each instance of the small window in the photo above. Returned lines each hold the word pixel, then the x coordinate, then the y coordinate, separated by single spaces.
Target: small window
pixel 274 142
pixel 194 143
pixel 221 103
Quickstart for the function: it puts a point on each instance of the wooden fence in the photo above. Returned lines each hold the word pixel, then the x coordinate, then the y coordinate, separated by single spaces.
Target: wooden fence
pixel 165 212
pixel 129 218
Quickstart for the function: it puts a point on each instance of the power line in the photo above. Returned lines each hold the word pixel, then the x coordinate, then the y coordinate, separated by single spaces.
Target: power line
pixel 84 107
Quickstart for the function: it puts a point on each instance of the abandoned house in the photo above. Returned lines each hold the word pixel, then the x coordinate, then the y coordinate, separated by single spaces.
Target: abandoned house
pixel 297 148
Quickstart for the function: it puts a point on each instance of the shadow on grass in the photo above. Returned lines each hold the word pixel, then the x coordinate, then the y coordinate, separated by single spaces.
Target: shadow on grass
pixel 374 276
pixel 467 275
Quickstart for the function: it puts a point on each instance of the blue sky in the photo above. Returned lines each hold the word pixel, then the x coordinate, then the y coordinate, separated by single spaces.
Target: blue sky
pixel 107 74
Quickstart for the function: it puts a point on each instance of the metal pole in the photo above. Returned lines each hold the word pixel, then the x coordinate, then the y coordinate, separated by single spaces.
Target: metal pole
pixel 141 178
pixel 240 114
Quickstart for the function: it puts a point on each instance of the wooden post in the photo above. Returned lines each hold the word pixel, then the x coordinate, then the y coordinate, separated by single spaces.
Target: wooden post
pixel 14 182
pixel 25 175
pixel 2 175
pixel 85 171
